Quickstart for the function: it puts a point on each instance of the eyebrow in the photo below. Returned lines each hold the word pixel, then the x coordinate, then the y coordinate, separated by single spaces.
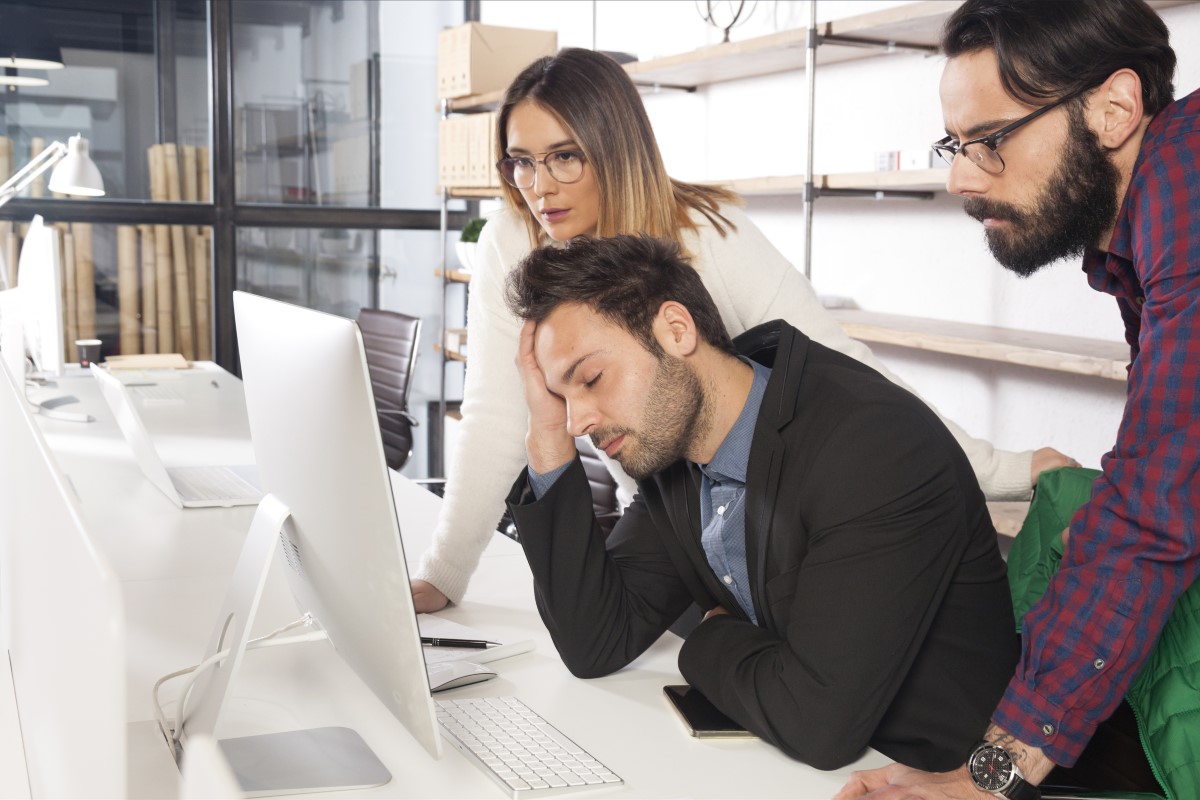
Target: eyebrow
pixel 570 372
pixel 550 149
pixel 981 128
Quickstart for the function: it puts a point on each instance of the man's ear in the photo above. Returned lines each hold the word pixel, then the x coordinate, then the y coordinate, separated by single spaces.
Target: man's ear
pixel 675 329
pixel 1114 110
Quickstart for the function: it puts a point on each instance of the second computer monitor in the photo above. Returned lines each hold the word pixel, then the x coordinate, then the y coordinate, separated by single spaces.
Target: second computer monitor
pixel 317 445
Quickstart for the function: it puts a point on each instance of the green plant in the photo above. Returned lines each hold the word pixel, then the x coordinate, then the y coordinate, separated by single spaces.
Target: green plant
pixel 470 231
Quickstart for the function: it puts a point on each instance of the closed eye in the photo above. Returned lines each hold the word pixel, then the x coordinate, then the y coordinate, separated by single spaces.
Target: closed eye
pixel 590 384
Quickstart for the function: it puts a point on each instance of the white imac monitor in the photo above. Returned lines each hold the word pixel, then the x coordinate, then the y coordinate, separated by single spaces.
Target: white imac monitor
pixel 328 509
pixel 39 280
pixel 63 619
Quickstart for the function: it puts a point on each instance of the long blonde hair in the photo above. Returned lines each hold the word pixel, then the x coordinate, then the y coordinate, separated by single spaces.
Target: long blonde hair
pixel 597 103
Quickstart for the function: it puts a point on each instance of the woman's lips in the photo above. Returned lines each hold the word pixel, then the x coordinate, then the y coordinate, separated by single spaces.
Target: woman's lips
pixel 555 214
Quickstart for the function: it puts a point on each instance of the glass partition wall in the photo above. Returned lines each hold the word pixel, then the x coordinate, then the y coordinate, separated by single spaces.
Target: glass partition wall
pixel 288 147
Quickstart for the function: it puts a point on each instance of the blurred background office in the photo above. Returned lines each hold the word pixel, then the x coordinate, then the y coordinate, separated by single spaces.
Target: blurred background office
pixel 291 148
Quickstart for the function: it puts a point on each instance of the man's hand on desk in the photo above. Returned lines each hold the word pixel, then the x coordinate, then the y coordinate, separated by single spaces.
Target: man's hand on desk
pixel 898 781
pixel 427 597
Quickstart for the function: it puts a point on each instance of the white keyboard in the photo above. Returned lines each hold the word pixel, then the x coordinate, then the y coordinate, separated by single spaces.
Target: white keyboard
pixel 522 752
pixel 210 483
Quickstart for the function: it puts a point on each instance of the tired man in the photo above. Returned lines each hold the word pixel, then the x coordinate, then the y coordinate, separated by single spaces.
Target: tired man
pixel 824 517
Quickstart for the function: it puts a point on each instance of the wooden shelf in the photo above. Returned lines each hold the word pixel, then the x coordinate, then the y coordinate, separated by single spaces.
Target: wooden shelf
pixel 454 275
pixel 474 192
pixel 915 25
pixel 474 103
pixel 910 28
pixel 925 180
pixel 437 347
pixel 1072 354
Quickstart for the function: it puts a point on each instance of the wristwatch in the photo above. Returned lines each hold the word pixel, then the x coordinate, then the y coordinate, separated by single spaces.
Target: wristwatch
pixel 992 770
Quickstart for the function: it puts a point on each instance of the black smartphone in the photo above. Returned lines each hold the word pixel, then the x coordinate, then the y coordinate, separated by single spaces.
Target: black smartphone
pixel 702 719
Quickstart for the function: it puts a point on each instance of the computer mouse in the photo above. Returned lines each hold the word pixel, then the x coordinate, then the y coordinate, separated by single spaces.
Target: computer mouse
pixel 453 674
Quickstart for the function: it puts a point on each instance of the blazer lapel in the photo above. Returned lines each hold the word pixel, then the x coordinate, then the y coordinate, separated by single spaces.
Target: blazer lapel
pixel 766 461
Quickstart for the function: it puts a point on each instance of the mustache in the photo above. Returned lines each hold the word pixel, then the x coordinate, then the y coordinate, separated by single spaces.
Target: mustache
pixel 599 437
pixel 980 209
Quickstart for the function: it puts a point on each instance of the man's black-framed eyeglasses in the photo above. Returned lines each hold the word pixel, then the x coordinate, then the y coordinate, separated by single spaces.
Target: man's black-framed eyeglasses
pixel 982 151
pixel 565 166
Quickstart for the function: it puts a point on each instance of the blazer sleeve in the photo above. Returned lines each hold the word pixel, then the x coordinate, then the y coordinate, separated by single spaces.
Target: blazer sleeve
pixel 603 602
pixel 885 537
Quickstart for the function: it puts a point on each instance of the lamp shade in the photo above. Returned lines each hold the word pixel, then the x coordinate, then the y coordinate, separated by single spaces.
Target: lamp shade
pixel 77 173
pixel 25 40
pixel 10 79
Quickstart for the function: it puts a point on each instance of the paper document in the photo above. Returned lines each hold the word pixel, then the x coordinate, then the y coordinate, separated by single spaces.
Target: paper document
pixel 445 629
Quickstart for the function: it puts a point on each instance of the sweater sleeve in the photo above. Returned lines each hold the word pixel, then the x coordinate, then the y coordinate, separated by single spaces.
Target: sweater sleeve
pixel 491 441
pixel 762 286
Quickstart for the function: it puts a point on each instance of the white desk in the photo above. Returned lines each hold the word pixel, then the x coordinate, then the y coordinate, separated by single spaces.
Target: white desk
pixel 174 565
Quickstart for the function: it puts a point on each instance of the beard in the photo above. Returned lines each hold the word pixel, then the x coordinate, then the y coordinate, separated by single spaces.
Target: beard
pixel 675 416
pixel 1073 210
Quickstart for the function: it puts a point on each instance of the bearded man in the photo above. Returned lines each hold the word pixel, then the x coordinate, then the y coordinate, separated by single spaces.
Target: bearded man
pixel 823 517
pixel 1071 145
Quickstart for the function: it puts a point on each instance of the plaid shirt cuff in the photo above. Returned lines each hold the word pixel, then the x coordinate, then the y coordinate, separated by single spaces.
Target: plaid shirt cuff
pixel 1037 722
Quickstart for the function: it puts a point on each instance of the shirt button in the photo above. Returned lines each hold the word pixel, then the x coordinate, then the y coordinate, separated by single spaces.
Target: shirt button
pixel 1098 663
pixel 1140 300
pixel 1048 729
pixel 720 510
pixel 728 580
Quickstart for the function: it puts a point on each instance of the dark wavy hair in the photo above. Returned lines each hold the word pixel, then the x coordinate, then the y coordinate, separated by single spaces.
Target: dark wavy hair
pixel 1048 50
pixel 625 279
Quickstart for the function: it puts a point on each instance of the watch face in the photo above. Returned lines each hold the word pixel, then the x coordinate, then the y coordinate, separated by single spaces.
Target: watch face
pixel 991 768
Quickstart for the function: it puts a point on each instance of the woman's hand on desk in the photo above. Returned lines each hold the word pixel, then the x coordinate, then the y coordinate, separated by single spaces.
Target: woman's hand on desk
pixel 427 597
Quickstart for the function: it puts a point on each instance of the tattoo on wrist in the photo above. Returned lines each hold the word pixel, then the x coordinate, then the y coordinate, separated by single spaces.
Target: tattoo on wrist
pixel 1002 738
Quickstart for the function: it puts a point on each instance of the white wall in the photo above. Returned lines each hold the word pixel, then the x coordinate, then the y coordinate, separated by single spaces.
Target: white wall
pixel 922 258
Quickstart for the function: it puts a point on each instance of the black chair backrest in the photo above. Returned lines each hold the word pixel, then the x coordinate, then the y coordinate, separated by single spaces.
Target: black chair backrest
pixel 391 345
pixel 604 488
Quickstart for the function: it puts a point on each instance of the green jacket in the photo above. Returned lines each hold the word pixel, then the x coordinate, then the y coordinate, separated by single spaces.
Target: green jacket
pixel 1165 696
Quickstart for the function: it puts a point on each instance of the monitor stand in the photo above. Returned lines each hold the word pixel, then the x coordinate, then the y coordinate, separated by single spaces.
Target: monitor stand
pixel 291 762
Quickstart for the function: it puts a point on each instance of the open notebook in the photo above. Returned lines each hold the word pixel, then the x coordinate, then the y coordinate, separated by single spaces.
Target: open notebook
pixel 445 629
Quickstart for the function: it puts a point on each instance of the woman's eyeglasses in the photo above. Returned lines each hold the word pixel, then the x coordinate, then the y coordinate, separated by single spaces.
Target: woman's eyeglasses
pixel 564 166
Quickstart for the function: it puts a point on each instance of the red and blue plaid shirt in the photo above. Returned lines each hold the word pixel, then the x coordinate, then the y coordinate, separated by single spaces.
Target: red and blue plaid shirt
pixel 1133 547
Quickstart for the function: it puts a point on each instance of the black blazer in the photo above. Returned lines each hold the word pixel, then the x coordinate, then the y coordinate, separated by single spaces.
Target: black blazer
pixel 884 616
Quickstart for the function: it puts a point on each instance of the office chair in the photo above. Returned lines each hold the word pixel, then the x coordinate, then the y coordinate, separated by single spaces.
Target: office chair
pixel 604 488
pixel 391 341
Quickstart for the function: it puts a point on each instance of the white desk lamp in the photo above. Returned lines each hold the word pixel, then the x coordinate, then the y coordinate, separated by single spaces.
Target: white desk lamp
pixel 75 172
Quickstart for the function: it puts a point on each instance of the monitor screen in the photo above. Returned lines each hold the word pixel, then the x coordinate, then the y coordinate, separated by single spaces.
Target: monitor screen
pixel 39 278
pixel 317 445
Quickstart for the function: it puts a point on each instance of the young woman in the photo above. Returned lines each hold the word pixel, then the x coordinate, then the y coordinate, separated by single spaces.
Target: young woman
pixel 578 157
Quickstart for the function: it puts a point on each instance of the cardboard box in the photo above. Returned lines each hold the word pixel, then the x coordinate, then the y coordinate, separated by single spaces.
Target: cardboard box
pixel 474 58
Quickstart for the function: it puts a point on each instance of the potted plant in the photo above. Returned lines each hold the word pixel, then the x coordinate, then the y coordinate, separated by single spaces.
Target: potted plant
pixel 467 242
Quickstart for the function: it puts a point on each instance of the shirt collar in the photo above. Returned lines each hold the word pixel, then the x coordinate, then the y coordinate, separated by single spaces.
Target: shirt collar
pixel 732 457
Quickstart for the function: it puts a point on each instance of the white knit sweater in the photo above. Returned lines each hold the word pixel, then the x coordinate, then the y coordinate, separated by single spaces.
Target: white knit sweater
pixel 751 283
